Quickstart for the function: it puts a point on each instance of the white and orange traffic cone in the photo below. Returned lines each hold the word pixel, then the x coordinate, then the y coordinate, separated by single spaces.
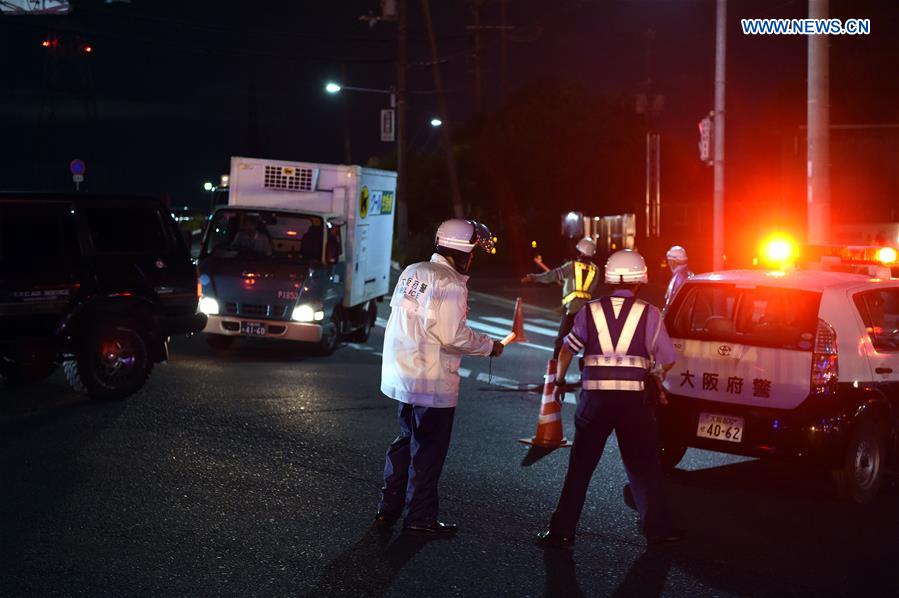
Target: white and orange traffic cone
pixel 549 423
pixel 517 334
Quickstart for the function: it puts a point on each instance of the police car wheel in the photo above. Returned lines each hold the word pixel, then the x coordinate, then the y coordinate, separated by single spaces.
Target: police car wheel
pixel 670 456
pixel 112 363
pixel 862 473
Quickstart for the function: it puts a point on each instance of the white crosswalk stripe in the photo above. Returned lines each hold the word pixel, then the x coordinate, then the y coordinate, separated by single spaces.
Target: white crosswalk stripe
pixel 527 327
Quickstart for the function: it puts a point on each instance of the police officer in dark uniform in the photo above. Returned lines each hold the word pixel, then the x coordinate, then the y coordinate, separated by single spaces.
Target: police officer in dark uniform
pixel 621 337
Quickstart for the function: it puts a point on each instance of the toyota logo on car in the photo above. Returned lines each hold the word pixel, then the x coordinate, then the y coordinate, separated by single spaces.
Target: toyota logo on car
pixel 724 350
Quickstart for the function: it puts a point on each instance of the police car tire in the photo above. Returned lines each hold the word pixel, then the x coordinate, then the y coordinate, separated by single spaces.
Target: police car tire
pixel 83 372
pixel 867 437
pixel 670 456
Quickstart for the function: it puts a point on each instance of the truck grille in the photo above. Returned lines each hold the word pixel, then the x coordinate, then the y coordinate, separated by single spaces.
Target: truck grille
pixel 288 178
pixel 256 310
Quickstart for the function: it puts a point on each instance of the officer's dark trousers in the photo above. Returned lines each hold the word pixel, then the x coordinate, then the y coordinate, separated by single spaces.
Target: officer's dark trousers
pixel 598 414
pixel 415 461
pixel 565 325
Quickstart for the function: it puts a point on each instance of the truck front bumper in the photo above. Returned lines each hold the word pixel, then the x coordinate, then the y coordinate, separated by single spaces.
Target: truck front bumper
pixel 275 329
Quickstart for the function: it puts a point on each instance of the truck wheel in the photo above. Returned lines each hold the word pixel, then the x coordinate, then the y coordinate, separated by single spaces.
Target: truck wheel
pixel 670 456
pixel 112 362
pixel 862 472
pixel 370 313
pixel 330 337
pixel 220 342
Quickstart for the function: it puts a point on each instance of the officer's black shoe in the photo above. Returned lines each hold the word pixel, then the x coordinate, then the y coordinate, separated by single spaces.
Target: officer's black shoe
pixel 438 528
pixel 385 520
pixel 675 535
pixel 548 539
pixel 629 497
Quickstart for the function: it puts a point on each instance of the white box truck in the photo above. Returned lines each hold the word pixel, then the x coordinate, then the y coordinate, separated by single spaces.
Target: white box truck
pixel 301 252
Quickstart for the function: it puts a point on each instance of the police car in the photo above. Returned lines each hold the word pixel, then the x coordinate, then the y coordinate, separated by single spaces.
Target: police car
pixel 790 363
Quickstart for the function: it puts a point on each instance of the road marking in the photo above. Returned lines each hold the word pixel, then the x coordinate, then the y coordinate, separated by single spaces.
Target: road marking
pixel 499 381
pixel 464 372
pixel 499 332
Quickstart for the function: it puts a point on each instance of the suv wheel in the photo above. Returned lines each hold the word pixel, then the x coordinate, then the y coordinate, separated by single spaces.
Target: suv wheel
pixel 220 342
pixel 862 472
pixel 112 362
pixel 670 456
pixel 369 314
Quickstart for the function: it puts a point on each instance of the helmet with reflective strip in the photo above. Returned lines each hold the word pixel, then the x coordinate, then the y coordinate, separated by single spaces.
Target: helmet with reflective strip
pixel 464 235
pixel 586 246
pixel 677 254
pixel 626 267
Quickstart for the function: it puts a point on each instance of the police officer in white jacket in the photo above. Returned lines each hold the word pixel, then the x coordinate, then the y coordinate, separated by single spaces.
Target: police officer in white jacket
pixel 424 343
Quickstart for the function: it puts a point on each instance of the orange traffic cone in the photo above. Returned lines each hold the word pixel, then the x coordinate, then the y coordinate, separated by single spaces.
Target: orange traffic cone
pixel 549 424
pixel 518 323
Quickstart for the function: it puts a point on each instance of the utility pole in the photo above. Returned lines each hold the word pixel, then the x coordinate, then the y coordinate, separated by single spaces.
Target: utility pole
pixel 503 50
pixel 818 120
pixel 402 206
pixel 458 207
pixel 718 161
pixel 478 93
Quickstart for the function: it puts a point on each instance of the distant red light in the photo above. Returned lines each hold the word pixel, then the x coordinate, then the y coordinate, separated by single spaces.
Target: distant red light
pixel 88 49
pixel 291 233
pixel 249 281
pixel 46 43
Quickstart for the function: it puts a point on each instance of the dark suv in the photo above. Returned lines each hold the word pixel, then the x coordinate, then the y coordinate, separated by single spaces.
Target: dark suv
pixel 97 284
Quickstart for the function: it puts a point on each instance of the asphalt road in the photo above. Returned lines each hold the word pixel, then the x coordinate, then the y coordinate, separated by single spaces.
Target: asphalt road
pixel 256 473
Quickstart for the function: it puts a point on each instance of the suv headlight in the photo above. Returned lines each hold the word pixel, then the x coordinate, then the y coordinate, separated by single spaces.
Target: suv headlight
pixel 306 313
pixel 209 306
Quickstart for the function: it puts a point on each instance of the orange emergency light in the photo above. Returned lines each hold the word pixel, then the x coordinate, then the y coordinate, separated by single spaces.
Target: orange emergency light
pixel 779 251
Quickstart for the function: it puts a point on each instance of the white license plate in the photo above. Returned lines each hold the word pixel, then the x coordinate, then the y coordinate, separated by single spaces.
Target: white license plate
pixel 720 427
pixel 252 328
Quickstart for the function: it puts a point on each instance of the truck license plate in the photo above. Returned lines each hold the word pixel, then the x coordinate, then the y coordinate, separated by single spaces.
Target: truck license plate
pixel 720 427
pixel 252 328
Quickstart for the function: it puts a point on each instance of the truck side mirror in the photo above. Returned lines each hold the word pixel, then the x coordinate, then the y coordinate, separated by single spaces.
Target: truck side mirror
pixel 332 251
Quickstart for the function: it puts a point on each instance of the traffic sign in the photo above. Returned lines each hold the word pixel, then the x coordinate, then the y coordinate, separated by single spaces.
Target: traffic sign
pixel 77 167
pixel 388 125
pixel 706 131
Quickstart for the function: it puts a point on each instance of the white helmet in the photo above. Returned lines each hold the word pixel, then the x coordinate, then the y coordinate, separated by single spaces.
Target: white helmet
pixel 464 235
pixel 677 254
pixel 586 246
pixel 626 267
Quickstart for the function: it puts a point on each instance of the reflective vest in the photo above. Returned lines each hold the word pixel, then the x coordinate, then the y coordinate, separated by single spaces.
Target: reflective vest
pixel 624 358
pixel 584 273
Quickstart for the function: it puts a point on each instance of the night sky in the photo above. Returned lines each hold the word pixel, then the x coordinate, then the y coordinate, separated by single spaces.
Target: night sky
pixel 172 89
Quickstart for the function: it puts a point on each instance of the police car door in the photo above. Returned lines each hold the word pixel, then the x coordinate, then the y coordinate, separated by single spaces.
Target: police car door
pixel 743 345
pixel 879 312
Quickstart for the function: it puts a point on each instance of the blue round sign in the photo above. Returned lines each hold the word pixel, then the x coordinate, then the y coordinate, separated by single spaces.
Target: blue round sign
pixel 77 166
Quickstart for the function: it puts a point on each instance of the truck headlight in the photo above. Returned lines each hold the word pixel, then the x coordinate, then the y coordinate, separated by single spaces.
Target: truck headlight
pixel 303 313
pixel 208 306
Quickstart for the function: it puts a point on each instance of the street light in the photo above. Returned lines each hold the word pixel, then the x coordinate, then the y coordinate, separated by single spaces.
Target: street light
pixel 332 87
pixel 436 122
pixel 207 186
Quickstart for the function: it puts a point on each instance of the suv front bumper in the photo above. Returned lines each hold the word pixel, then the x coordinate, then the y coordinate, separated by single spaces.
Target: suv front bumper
pixel 795 434
pixel 277 329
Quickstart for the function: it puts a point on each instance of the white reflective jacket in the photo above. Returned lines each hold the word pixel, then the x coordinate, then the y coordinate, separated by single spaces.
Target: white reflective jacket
pixel 427 335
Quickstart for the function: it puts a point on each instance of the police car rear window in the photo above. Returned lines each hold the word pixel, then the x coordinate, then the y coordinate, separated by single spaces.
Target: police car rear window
pixel 762 316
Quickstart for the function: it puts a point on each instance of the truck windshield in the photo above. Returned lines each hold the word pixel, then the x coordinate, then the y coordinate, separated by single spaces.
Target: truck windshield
pixel 264 235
